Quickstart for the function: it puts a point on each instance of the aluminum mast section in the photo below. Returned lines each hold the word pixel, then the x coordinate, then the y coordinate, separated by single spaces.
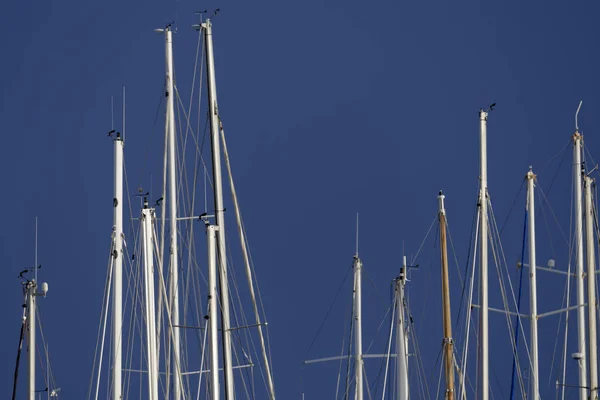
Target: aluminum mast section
pixel 31 290
pixel 534 381
pixel 31 304
pixel 358 369
pixel 448 342
pixel 213 314
pixel 150 320
pixel 580 355
pixel 401 337
pixel 117 314
pixel 591 282
pixel 172 202
pixel 219 210
pixel 483 312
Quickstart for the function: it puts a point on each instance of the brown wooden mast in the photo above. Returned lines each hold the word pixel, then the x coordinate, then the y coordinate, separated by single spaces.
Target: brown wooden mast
pixel 448 342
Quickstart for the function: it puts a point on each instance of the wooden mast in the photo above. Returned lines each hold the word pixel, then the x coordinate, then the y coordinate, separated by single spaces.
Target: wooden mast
pixel 448 342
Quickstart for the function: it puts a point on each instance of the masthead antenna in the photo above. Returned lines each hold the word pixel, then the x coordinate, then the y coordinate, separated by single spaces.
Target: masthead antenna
pixel 112 113
pixel 123 130
pixel 577 116
pixel 356 234
pixel 36 247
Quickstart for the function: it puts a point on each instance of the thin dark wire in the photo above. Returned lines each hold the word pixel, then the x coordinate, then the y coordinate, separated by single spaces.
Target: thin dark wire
pixel 557 169
pixel 328 312
pixel 351 333
pixel 566 146
pixel 464 286
pixel 424 239
pixel 374 287
pixel 511 207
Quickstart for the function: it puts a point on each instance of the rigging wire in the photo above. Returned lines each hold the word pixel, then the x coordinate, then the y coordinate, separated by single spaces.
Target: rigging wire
pixel 571 244
pixel 424 239
pixel 512 207
pixel 389 350
pixel 102 325
pixel 472 244
pixel 327 313
pixel 500 261
pixel 469 306
pixel 514 363
pixel 21 336
pixel 460 277
pixel 420 366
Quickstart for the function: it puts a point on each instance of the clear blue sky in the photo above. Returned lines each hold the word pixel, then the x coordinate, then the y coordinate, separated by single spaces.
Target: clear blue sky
pixel 330 108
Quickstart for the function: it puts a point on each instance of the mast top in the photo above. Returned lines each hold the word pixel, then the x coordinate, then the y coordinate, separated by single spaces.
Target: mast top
pixel 167 28
pixel 530 174
pixel 577 136
pixel 484 113
pixel 441 198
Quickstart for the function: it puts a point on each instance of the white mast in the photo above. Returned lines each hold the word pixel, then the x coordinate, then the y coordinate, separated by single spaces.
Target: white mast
pixel 401 338
pixel 117 343
pixel 213 314
pixel 448 342
pixel 31 286
pixel 358 368
pixel 172 200
pixel 591 281
pixel 219 210
pixel 535 390
pixel 580 355
pixel 151 345
pixel 32 293
pixel 485 389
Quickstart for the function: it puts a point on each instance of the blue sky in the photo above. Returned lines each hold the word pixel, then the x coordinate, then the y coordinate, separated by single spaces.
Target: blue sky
pixel 331 108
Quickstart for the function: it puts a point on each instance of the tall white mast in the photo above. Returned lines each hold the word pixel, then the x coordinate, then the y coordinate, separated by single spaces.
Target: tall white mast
pixel 580 355
pixel 535 388
pixel 172 200
pixel 485 388
pixel 219 210
pixel 448 342
pixel 117 325
pixel 31 304
pixel 213 314
pixel 151 343
pixel 401 337
pixel 32 293
pixel 591 281
pixel 358 368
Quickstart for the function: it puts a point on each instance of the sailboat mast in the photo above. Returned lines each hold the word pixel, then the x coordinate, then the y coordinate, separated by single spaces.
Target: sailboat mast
pixel 448 342
pixel 31 304
pixel 591 281
pixel 483 313
pixel 581 333
pixel 401 339
pixel 535 388
pixel 358 369
pixel 213 315
pixel 117 314
pixel 172 200
pixel 219 210
pixel 151 347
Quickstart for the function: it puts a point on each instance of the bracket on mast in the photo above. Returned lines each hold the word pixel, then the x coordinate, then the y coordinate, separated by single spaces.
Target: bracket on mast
pixel 27 270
